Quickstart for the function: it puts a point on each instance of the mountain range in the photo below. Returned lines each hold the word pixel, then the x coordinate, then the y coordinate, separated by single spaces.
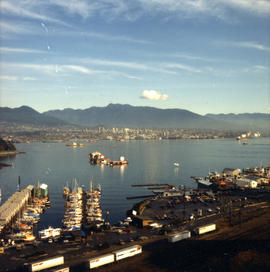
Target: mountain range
pixel 25 115
pixel 119 115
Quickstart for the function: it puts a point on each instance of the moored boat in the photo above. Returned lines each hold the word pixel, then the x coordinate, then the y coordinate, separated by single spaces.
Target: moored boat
pixel 29 238
pixel 50 232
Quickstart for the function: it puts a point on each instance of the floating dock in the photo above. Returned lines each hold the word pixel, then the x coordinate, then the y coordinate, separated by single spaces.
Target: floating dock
pixel 14 205
pixel 143 196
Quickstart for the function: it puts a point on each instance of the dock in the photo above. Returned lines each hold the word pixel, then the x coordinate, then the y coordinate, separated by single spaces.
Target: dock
pixel 14 205
pixel 152 184
pixel 143 196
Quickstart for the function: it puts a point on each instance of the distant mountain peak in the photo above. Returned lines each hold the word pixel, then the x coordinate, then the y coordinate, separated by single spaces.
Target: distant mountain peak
pixel 125 115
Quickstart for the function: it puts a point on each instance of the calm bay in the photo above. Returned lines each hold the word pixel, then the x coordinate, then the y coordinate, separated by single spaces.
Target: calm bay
pixel 149 162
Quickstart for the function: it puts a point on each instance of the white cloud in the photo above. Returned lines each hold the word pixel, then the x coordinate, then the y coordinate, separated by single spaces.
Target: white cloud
pixel 112 37
pixel 22 9
pixel 64 70
pixel 29 79
pixel 79 69
pixel 182 67
pixel 218 8
pixel 13 78
pixel 129 65
pixel 110 10
pixel 7 27
pixel 259 7
pixel 82 8
pixel 107 9
pixel 153 95
pixel 251 45
pixel 19 50
pixel 132 65
pixel 262 68
pixel 191 57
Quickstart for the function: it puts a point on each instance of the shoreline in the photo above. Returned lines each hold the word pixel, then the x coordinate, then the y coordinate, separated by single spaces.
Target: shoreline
pixel 8 153
pixel 4 165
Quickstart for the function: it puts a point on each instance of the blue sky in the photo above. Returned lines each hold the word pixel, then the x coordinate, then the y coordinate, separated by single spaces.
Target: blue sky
pixel 206 56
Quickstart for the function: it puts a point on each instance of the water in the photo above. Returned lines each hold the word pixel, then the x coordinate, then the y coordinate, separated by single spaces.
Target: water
pixel 149 162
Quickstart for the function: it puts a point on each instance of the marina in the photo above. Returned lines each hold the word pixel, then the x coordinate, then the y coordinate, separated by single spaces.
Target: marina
pixel 15 205
pixel 21 212
pixel 96 217
pixel 73 216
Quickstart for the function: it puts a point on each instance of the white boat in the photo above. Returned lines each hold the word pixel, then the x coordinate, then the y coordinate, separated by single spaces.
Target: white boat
pixel 29 238
pixel 50 232
pixel 93 211
pixel 176 164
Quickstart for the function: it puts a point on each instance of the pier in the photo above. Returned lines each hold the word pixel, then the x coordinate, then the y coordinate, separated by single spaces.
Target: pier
pixel 152 184
pixel 142 196
pixel 14 205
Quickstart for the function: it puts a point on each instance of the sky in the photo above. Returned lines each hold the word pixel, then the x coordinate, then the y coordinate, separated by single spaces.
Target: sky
pixel 206 56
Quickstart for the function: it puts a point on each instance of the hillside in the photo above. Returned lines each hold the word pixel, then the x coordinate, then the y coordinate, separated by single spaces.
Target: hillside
pixel 249 121
pixel 25 115
pixel 117 115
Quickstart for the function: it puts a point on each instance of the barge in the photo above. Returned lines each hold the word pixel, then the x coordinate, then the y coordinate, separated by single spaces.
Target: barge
pixel 99 158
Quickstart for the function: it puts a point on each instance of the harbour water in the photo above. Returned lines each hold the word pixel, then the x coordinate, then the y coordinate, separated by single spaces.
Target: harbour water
pixel 149 162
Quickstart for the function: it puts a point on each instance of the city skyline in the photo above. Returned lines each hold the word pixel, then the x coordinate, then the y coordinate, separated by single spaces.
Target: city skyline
pixel 202 56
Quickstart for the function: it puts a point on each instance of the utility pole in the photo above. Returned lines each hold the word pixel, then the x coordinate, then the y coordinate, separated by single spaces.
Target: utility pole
pixel 19 184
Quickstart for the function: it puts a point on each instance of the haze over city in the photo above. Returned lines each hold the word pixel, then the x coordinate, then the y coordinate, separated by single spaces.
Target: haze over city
pixel 204 56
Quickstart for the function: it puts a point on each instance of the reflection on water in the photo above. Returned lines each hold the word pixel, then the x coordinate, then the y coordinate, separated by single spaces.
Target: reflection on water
pixel 176 171
pixel 122 171
pixel 102 170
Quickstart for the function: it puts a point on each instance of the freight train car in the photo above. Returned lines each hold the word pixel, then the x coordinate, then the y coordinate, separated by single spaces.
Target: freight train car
pixel 179 236
pixel 63 269
pixel 127 252
pixel 45 264
pixel 113 257
pixel 101 260
pixel 205 229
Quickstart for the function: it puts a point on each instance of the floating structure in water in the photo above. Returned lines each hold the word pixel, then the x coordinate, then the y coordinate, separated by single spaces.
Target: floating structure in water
pixel 98 158
pixel 74 144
